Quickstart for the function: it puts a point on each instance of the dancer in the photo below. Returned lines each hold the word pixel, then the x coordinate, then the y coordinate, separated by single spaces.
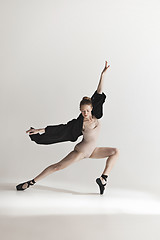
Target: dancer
pixel 88 125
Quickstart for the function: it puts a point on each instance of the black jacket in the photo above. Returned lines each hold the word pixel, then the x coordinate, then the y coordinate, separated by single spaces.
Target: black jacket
pixel 73 128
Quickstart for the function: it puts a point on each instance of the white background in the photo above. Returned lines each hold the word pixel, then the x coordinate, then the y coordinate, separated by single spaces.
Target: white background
pixel 52 54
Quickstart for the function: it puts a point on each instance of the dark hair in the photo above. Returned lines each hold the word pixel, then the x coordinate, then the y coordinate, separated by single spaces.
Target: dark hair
pixel 86 100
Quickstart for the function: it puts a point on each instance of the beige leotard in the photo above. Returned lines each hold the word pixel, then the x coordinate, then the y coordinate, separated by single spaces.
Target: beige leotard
pixel 90 132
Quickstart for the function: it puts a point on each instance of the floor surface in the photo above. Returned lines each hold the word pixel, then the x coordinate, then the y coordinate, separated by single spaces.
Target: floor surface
pixel 78 212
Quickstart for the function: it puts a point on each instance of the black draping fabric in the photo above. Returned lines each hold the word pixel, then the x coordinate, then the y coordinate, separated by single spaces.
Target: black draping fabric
pixel 71 130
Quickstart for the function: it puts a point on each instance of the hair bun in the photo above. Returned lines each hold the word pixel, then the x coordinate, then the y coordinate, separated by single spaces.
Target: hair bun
pixel 86 98
pixel 86 101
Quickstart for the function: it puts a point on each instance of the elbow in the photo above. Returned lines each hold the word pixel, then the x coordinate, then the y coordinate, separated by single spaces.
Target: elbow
pixel 99 91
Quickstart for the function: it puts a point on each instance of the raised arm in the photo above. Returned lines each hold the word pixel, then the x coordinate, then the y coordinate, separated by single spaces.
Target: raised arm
pixel 100 84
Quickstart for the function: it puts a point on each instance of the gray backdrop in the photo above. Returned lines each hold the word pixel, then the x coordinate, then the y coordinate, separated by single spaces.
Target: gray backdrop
pixel 52 54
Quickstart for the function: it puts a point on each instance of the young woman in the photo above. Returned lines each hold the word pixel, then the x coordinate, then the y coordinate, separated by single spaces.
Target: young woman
pixel 88 125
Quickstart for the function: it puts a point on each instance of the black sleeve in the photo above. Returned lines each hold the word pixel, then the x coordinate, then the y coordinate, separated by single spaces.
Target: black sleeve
pixel 55 133
pixel 72 129
pixel 97 100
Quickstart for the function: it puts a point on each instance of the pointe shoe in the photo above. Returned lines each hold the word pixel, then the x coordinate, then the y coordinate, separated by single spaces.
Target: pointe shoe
pixel 101 185
pixel 19 186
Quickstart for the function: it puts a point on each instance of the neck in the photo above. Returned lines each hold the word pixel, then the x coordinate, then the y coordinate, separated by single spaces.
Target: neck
pixel 89 118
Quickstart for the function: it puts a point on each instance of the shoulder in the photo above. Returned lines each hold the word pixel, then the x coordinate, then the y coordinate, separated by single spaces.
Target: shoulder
pixel 96 119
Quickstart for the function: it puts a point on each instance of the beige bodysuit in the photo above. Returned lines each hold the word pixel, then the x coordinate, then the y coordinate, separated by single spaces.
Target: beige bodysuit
pixel 90 132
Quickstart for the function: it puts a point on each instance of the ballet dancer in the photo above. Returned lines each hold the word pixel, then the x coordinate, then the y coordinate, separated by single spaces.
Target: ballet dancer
pixel 88 125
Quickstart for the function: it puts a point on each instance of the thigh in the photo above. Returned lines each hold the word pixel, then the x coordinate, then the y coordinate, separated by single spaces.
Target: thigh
pixel 72 157
pixel 102 152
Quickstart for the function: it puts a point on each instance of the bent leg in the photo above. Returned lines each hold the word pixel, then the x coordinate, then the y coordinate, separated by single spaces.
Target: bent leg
pixel 102 152
pixel 72 157
pixel 111 153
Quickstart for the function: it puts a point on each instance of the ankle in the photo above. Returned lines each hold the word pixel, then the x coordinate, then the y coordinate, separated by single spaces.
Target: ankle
pixel 33 180
pixel 104 176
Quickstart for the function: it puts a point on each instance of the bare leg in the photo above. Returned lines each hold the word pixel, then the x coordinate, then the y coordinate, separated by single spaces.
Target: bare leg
pixel 110 162
pixel 72 157
pixel 111 153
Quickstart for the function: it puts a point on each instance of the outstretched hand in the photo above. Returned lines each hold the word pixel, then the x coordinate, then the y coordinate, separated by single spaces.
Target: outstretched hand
pixel 106 67
pixel 32 131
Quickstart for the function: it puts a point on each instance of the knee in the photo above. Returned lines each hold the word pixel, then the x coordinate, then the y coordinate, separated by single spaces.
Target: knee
pixel 56 167
pixel 116 151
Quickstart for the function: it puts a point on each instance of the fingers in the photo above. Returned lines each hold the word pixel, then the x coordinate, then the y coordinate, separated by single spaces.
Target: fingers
pixel 31 133
pixel 106 65
pixel 30 130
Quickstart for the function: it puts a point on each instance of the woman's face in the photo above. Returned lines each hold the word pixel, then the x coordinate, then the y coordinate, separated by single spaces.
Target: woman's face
pixel 86 110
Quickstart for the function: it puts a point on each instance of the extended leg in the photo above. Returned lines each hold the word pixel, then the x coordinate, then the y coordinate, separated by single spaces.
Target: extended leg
pixel 66 161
